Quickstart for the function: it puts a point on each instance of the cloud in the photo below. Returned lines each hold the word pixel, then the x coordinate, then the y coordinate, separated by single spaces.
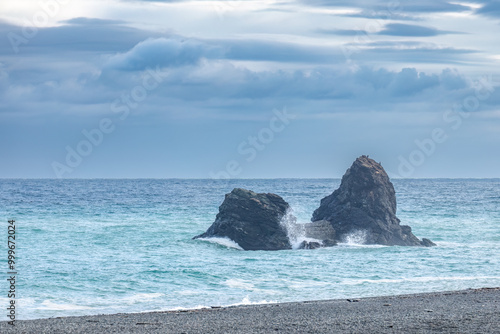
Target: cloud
pixel 410 82
pixel 382 15
pixel 392 29
pixel 451 79
pixel 405 52
pixel 222 81
pixel 261 50
pixel 81 36
pixel 210 87
pixel 433 6
pixel 163 52
pixel 92 21
pixel 490 8
pixel 178 51
pixel 382 6
pixel 398 29
pixel 343 32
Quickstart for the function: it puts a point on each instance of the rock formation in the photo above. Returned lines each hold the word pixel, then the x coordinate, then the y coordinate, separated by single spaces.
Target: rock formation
pixel 363 206
pixel 252 220
pixel 365 203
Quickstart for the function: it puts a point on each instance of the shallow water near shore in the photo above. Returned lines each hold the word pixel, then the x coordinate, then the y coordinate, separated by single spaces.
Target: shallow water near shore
pixel 109 246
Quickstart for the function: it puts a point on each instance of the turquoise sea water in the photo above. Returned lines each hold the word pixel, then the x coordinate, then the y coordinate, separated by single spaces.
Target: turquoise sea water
pixel 109 246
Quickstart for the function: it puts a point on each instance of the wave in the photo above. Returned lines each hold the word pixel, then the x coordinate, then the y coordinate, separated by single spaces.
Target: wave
pixel 355 238
pixel 296 232
pixel 418 279
pixel 240 284
pixel 308 284
pixel 352 245
pixel 189 292
pixel 49 305
pixel 245 301
pixel 140 297
pixel 476 244
pixel 223 242
pixel 298 242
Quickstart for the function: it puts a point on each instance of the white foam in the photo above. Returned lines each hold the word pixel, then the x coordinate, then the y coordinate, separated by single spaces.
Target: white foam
pixel 239 284
pixel 223 242
pixel 355 238
pixel 246 301
pixel 296 232
pixel 49 305
pixel 352 245
pixel 307 284
pixel 476 244
pixel 188 292
pixel 418 279
pixel 141 297
pixel 297 242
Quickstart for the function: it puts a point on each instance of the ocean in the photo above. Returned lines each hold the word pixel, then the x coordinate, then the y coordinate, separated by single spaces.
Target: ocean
pixel 100 246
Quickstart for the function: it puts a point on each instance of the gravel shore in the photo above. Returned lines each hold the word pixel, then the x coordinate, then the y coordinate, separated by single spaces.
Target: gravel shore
pixel 468 311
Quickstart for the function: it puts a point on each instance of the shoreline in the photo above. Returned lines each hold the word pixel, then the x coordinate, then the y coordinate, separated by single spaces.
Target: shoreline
pixel 464 311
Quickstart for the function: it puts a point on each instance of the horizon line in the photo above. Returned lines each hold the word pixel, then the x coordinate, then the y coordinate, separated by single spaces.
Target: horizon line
pixel 237 179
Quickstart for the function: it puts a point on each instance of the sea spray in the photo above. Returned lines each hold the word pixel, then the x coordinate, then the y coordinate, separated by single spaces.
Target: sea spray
pixel 296 232
pixel 357 237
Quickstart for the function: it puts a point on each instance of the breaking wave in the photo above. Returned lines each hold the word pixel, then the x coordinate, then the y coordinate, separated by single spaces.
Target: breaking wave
pixel 223 242
pixel 296 232
pixel 355 238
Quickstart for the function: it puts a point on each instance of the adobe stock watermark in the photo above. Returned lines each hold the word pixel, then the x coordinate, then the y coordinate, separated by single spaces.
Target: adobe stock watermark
pixel 48 9
pixel 94 137
pixel 453 118
pixel 249 148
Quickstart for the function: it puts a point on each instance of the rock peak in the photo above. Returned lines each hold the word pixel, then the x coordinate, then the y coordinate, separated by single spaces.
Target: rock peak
pixel 366 184
pixel 366 202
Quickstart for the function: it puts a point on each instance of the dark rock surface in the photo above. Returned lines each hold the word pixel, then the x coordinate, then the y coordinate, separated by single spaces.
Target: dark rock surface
pixel 309 245
pixel 252 220
pixel 366 202
pixel 427 243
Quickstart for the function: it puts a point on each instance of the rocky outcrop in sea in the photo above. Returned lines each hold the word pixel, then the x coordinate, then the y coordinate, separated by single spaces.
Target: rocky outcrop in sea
pixel 363 207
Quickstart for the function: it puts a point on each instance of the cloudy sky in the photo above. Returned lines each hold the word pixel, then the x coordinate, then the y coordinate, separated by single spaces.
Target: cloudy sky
pixel 248 89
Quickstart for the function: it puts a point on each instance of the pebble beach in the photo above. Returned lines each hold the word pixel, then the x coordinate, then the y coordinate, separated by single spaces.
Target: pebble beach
pixel 466 311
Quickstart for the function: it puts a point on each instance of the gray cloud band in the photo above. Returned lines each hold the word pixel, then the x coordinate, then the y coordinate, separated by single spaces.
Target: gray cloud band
pixel 48 10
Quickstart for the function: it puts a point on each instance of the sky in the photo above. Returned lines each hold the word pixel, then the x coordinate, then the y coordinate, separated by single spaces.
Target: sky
pixel 248 89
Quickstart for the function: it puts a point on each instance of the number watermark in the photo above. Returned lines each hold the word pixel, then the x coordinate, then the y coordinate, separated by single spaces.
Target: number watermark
pixel 11 273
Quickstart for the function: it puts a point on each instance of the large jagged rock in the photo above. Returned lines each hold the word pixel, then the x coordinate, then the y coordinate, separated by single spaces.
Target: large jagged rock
pixel 365 205
pixel 252 220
